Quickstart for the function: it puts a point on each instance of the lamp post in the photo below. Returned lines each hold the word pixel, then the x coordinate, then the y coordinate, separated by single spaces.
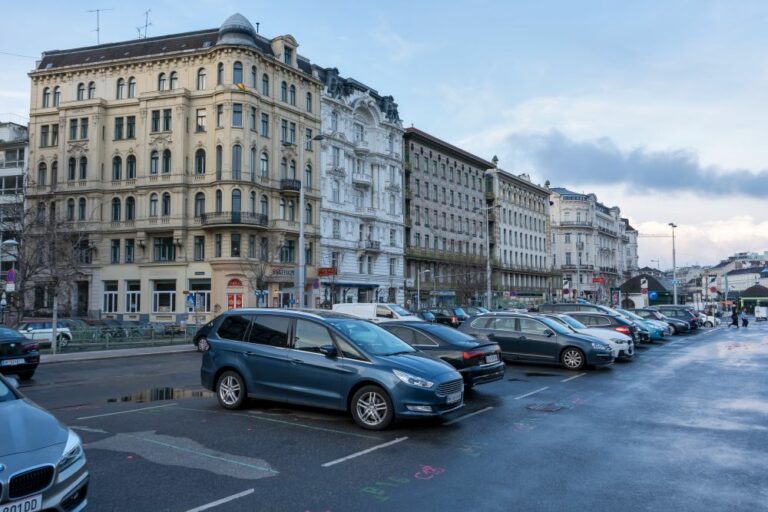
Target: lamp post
pixel 418 287
pixel 674 265
pixel 3 244
pixel 487 210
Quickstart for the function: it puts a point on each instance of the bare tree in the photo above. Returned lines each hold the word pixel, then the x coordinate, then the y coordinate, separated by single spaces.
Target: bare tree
pixel 470 281
pixel 256 271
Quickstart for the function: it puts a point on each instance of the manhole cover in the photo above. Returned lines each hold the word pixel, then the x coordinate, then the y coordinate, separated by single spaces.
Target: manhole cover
pixel 544 407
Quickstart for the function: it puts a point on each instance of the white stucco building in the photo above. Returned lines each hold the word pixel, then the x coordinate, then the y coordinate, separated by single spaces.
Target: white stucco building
pixel 361 216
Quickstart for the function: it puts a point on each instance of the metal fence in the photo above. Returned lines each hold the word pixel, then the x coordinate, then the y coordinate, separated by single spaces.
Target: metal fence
pixel 111 338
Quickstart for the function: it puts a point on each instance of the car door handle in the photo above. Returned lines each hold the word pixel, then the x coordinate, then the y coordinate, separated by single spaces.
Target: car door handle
pixel 522 338
pixel 297 361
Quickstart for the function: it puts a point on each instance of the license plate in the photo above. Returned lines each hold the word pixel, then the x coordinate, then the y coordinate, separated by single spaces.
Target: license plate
pixel 453 398
pixel 493 358
pixel 11 362
pixel 31 504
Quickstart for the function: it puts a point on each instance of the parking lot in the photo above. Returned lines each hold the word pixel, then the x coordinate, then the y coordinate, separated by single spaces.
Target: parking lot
pixel 681 427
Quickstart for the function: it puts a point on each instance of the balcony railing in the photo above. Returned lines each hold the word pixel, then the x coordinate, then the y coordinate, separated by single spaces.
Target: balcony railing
pixel 361 147
pixel 582 223
pixel 369 245
pixel 606 231
pixel 225 218
pixel 362 179
pixel 290 185
pixel 571 266
pixel 447 256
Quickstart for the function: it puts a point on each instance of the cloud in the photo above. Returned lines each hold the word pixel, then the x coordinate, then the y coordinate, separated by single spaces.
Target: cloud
pixel 399 49
pixel 565 161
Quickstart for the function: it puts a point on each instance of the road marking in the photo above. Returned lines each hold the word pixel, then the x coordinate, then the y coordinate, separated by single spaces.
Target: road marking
pixel 222 501
pixel 125 412
pixel 88 429
pixel 456 420
pixel 574 377
pixel 531 393
pixel 363 452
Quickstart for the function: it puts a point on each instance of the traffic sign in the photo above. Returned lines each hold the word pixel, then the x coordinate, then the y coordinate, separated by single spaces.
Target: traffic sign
pixel 644 291
pixel 598 280
pixel 653 295
pixel 713 289
pixel 10 276
pixel 10 287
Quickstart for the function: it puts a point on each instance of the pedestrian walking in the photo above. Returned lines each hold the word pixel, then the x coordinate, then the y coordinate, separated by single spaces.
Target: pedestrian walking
pixel 744 318
pixel 734 318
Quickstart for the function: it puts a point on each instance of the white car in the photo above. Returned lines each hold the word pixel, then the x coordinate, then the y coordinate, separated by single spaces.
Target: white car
pixel 42 332
pixel 376 312
pixel 622 345
pixel 709 320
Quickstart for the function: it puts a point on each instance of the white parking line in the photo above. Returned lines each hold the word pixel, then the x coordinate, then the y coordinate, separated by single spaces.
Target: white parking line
pixel 456 420
pixel 363 452
pixel 574 377
pixel 125 412
pixel 531 393
pixel 221 501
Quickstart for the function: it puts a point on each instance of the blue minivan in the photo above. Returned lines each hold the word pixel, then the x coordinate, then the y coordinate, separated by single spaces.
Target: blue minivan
pixel 325 359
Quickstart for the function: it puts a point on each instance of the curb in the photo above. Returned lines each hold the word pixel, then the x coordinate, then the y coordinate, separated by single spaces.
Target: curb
pixel 114 354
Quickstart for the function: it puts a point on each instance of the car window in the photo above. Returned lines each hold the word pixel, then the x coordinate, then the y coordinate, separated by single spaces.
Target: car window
pixel 602 321
pixel 348 350
pixel 384 312
pixel 504 324
pixel 5 332
pixel 371 338
pixel 403 333
pixel 397 309
pixel 459 312
pixel 481 323
pixel 233 328
pixel 310 336
pixel 23 327
pixel 585 319
pixel 447 334
pixel 422 340
pixel 531 326
pixel 270 330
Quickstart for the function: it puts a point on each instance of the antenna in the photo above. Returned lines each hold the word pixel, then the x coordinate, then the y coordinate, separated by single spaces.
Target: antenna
pixel 146 24
pixel 98 22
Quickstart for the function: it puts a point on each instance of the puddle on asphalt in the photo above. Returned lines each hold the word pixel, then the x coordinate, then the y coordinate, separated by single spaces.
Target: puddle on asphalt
pixel 160 394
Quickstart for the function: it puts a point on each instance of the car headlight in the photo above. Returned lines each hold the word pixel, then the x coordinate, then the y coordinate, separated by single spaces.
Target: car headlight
pixel 618 341
pixel 72 452
pixel 412 380
pixel 599 346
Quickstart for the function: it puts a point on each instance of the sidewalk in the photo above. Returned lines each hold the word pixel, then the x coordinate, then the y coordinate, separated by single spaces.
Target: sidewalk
pixel 111 354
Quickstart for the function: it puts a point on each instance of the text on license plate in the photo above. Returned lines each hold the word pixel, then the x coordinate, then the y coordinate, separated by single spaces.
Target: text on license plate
pixel 493 358
pixel 31 504
pixel 11 362
pixel 453 397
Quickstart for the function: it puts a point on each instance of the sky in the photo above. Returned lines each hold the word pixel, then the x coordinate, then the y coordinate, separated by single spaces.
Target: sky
pixel 658 107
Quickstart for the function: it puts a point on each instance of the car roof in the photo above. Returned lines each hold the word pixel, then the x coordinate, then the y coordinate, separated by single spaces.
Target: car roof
pixel 317 314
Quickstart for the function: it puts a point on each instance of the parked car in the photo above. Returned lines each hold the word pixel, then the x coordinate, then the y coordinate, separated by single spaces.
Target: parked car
pixel 622 345
pixel 681 313
pixel 375 312
pixel 574 307
pixel 677 326
pixel 41 331
pixel 325 359
pixel 426 315
pixel 475 310
pixel 609 322
pixel 43 461
pixel 477 362
pixel 200 339
pixel 18 355
pixel 523 337
pixel 446 317
pixel 706 320
pixel 656 331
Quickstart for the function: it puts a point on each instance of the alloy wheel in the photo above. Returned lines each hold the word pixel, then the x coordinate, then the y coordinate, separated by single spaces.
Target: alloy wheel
pixel 371 408
pixel 229 390
pixel 202 344
pixel 573 359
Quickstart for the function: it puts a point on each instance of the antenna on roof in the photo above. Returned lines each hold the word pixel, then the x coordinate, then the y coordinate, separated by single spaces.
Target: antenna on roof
pixel 98 22
pixel 146 24
pixel 257 27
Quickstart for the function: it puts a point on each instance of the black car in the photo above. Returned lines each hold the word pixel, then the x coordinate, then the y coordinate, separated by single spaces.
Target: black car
pixel 677 325
pixel 446 317
pixel 681 313
pixel 523 337
pixel 426 315
pixel 610 322
pixel 200 339
pixel 477 362
pixel 18 355
pixel 475 310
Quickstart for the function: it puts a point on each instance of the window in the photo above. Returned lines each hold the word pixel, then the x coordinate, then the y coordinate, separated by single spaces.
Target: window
pixel 237 161
pixel 110 291
pixel 252 163
pixel 56 96
pixel 236 200
pixel 217 246
pixel 199 204
pixel 166 161
pixel 336 154
pixel 81 206
pixel 264 125
pixel 237 114
pixel 167 119
pixel 267 330
pixel 308 214
pixel 114 253
pixel 166 208
pixel 73 129
pixel 308 176
pixel 253 202
pixel 44 136
pixel 308 139
pixel 251 246
pixel 161 82
pixel 155 124
pixel 42 171
pixel 220 73
pixel 265 84
pixel 359 132
pixel 116 210
pixel 118 128
pixel 264 249
pixel 237 72
pixel 264 203
pixel 218 201
pixel 132 295
pixel 130 208
pixel 284 91
pixel 235 245
pixel 153 205
pixel 200 161
pixel 292 133
pixel 84 128
pixel 392 266
pixel 291 210
pixel 310 336
pixel 288 55
pixel 287 252
pixel 164 297
pixel 264 165
pixel 83 168
pixel 199 254
pixel 91 90
pixel 292 95
pixel 335 192
pixel 334 122
pixel 308 102
pixel 284 131
pixel 131 87
pixel 201 79
pixel 219 161
pixel 80 91
pixel 120 92
pixel 254 77
pixel 392 237
pixel 46 97
pixel 252 118
pixel 336 228
pixel 164 249
pixel 174 82
pixel 129 246
pixel 200 122
pixel 70 209
pixel 219 116
pixel 283 168
pixel 154 160
pixel 130 127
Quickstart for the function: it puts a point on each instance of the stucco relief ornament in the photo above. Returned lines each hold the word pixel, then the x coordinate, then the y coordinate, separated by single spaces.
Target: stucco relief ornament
pixel 163 138
pixel 81 146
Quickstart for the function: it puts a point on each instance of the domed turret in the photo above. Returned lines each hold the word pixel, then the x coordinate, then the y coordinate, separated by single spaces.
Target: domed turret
pixel 237 30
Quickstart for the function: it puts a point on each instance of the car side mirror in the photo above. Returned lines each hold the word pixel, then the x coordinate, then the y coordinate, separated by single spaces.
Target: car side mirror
pixel 549 333
pixel 13 382
pixel 328 350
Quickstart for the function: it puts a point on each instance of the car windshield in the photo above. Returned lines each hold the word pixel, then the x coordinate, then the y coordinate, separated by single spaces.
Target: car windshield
pixel 447 333
pixel 630 315
pixel 556 326
pixel 400 311
pixel 6 394
pixel 573 322
pixel 371 338
pixel 427 315
pixel 6 332
pixel 459 311
pixel 562 322
pixel 481 310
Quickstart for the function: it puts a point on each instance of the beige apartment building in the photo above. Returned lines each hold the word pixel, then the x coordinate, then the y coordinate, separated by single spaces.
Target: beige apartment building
pixel 182 158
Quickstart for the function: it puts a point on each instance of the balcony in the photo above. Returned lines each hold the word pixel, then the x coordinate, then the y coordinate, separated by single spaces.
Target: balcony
pixel 361 179
pixel 607 231
pixel 369 245
pixel 609 270
pixel 393 187
pixel 361 147
pixel 625 239
pixel 336 170
pixel 233 219
pixel 579 223
pixel 445 256
pixel 571 266
pixel 490 196
pixel 368 213
pixel 290 185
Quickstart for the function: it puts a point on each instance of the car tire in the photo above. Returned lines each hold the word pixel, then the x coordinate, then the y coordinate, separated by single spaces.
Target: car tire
pixel 26 375
pixel 202 344
pixel 573 359
pixel 230 390
pixel 674 330
pixel 708 324
pixel 372 408
pixel 62 341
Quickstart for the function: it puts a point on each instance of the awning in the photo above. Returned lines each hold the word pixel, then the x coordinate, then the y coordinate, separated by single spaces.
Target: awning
pixel 364 286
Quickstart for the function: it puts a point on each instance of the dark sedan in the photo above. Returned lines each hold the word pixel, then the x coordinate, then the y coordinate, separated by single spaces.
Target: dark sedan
pixel 681 313
pixel 18 355
pixel 676 324
pixel 611 322
pixel 452 316
pixel 523 337
pixel 477 362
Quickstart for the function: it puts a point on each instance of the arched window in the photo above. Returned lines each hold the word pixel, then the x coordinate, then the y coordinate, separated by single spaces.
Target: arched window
pixel 130 208
pixel 237 72
pixel 291 210
pixel 308 102
pixel 166 208
pixel 81 91
pixel 220 73
pixel 200 161
pixel 218 201
pixel 91 90
pixel 292 94
pixel 81 206
pixel 56 96
pixel 130 167
pixel 308 176
pixel 131 87
pixel 166 161
pixel 46 97
pixel 254 77
pixel 153 205
pixel 283 168
pixel 334 122
pixel 199 204
pixel 264 165
pixel 70 209
pixel 391 204
pixel 161 82
pixel 281 212
pixel 42 172
pixel 253 202
pixel 335 192
pixel 54 172
pixel 154 162
pixel 72 170
pixel 252 164
pixel 174 82
pixel 237 200
pixel 237 161
pixel 115 210
pixel 219 161
pixel 293 169
pixel 308 214
pixel 201 79
pixel 284 91
pixel 120 92
pixel 264 205
pixel 265 84
pixel 117 168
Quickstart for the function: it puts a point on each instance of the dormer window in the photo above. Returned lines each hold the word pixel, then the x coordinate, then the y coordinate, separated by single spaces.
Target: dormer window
pixel 288 56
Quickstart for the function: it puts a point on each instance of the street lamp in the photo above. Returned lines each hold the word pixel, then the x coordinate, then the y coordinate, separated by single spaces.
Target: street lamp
pixel 301 279
pixel 418 287
pixel 674 265
pixel 487 209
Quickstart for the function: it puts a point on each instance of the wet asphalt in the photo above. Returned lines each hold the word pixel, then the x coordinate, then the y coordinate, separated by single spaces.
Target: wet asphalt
pixel 683 427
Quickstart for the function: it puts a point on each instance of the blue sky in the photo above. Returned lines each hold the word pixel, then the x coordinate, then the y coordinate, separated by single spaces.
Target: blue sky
pixel 658 107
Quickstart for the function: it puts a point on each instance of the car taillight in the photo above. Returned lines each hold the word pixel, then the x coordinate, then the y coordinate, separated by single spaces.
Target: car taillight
pixel 454 320
pixel 471 354
pixel 623 329
pixel 29 347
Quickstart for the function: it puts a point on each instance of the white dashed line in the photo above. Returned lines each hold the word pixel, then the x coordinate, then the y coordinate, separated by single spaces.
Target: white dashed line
pixel 456 420
pixel 574 377
pixel 363 452
pixel 124 412
pixel 531 393
pixel 222 501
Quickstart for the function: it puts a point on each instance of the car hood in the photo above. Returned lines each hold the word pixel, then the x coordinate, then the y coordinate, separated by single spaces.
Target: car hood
pixel 418 364
pixel 24 427
pixel 586 337
pixel 604 334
